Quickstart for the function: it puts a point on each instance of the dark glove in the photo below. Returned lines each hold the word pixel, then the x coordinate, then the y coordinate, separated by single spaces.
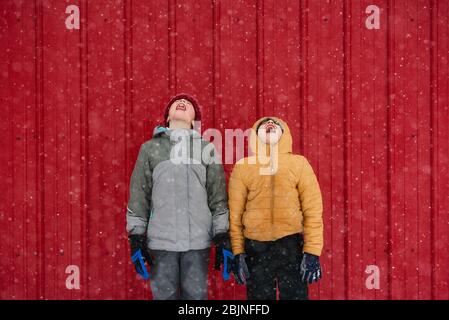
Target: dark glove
pixel 310 270
pixel 138 242
pixel 240 269
pixel 221 242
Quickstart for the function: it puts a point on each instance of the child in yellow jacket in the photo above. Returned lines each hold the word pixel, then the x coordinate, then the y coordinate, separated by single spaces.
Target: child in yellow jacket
pixel 276 222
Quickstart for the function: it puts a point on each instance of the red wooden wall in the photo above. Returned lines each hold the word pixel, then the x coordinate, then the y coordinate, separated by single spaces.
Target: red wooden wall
pixel 369 108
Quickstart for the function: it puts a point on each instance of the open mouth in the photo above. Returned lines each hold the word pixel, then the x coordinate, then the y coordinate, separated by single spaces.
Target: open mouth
pixel 270 128
pixel 181 106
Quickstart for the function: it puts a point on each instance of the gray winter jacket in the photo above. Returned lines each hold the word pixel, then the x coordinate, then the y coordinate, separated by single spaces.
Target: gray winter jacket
pixel 177 192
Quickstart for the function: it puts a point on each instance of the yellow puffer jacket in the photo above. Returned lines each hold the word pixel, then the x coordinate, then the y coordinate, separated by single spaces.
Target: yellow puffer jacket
pixel 267 207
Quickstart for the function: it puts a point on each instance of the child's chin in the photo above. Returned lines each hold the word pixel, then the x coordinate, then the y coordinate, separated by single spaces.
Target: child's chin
pixel 183 119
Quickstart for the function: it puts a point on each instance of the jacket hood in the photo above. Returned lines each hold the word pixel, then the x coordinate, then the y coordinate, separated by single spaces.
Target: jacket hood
pixel 284 143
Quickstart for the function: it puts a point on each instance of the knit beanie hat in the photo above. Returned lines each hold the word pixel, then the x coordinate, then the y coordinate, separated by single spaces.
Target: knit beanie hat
pixel 185 96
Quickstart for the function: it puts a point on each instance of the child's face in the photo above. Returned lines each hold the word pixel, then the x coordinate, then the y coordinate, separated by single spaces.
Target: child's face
pixel 270 132
pixel 181 110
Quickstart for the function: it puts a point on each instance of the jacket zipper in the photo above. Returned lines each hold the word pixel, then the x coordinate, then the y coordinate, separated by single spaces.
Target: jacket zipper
pixel 272 193
pixel 188 204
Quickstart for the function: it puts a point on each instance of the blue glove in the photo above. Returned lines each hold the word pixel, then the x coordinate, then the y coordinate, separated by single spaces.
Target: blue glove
pixel 221 242
pixel 228 258
pixel 139 264
pixel 310 270
pixel 240 269
pixel 140 254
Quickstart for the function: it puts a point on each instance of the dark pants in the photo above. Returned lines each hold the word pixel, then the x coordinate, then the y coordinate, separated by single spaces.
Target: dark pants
pixel 179 275
pixel 275 264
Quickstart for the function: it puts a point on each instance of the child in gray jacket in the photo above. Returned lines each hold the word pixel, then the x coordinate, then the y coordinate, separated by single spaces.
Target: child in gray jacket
pixel 178 204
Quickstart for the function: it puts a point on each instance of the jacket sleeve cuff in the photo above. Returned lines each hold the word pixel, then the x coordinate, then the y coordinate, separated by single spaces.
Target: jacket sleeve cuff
pixel 220 223
pixel 237 250
pixel 312 250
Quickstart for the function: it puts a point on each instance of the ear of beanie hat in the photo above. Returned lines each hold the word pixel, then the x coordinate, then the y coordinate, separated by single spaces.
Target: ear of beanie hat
pixel 185 96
